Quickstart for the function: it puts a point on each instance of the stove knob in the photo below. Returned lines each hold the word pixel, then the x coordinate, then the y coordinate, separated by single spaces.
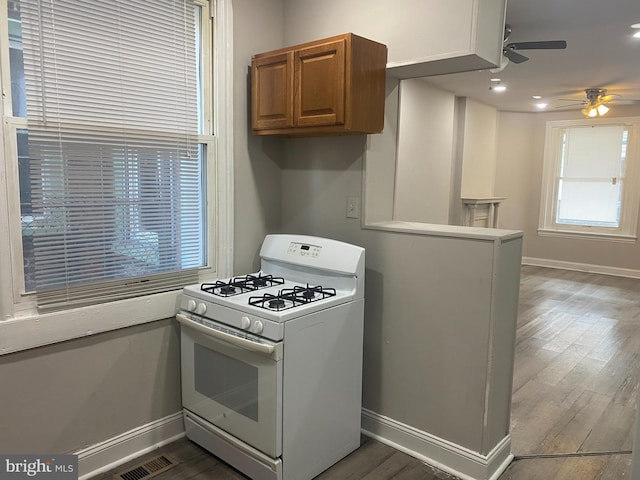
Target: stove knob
pixel 245 323
pixel 201 308
pixel 191 305
pixel 257 327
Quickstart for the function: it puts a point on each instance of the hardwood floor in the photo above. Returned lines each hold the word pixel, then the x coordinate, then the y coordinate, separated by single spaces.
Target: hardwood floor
pixel 576 379
pixel 577 368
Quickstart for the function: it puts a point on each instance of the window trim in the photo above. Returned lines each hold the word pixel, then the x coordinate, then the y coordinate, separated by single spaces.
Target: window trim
pixel 21 327
pixel 627 232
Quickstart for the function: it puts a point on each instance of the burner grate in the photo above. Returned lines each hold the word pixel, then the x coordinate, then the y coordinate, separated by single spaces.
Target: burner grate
pixel 291 297
pixel 243 284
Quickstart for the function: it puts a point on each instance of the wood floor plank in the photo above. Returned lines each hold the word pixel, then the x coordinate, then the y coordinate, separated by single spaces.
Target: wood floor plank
pixel 391 467
pixel 580 468
pixel 367 458
pixel 617 467
pixel 570 431
pixel 539 469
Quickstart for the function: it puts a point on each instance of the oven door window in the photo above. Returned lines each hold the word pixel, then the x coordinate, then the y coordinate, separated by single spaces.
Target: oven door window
pixel 227 381
pixel 233 388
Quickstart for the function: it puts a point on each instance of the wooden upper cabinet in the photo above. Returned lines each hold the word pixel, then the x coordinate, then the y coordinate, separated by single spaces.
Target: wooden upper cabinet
pixel 273 74
pixel 334 86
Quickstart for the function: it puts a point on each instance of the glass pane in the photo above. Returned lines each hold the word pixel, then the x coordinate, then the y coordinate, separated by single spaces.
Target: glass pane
pixel 227 381
pixel 98 209
pixel 16 61
pixel 589 203
pixel 26 216
pixel 112 182
pixel 197 12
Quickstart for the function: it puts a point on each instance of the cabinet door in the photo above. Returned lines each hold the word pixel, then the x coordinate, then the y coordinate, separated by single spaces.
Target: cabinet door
pixel 272 85
pixel 320 85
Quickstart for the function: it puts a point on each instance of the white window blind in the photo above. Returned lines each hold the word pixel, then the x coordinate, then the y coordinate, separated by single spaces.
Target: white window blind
pixel 592 176
pixel 115 167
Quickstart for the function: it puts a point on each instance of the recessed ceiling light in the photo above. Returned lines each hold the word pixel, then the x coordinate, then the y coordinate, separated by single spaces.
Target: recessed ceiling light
pixel 537 97
pixel 541 105
pixel 496 79
pixel 499 88
pixel 636 35
pixel 635 25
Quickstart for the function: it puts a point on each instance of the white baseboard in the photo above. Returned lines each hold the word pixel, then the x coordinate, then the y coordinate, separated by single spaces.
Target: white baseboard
pixel 581 267
pixel 442 454
pixel 111 453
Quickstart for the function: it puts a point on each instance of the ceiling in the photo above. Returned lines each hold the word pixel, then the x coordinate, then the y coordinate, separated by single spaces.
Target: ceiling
pixel 601 53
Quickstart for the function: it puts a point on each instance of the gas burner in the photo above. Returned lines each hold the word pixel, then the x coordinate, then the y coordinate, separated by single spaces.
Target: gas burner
pixel 243 284
pixel 276 303
pixel 308 294
pixel 291 297
pixel 263 281
pixel 227 290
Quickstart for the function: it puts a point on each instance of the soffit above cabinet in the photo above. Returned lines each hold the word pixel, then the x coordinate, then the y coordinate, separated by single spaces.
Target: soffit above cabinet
pixel 424 37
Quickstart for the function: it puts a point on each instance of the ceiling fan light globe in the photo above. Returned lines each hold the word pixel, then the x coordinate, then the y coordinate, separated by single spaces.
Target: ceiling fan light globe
pixel 590 112
pixel 602 109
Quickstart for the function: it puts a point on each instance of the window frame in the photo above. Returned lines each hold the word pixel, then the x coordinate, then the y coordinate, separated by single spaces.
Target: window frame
pixel 21 326
pixel 627 230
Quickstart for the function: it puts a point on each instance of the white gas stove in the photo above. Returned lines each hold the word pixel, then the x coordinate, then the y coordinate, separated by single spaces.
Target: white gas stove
pixel 272 361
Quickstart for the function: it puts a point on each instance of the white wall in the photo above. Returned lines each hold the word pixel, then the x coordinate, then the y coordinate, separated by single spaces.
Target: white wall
pixel 520 158
pixel 514 168
pixel 424 160
pixel 478 150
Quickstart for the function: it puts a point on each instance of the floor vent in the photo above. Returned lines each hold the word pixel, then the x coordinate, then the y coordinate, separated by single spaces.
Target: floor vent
pixel 148 469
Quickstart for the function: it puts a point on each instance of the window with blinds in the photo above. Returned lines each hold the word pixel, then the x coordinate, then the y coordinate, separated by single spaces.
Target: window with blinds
pixel 592 174
pixel 591 178
pixel 112 156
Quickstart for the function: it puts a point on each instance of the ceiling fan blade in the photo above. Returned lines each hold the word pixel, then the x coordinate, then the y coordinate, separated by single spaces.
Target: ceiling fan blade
pixel 624 102
pixel 570 105
pixel 542 45
pixel 514 56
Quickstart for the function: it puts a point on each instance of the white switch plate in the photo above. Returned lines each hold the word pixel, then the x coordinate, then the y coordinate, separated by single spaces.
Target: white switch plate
pixel 353 207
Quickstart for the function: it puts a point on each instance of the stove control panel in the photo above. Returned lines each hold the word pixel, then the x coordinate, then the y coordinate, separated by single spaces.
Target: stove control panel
pixel 304 250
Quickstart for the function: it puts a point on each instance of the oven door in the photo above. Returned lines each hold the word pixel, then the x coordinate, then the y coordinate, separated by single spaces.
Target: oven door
pixel 233 382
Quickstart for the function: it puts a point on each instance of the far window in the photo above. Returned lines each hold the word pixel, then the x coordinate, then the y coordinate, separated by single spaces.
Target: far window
pixel 589 184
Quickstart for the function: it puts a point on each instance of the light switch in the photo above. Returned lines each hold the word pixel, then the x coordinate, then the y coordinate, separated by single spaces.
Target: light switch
pixel 353 207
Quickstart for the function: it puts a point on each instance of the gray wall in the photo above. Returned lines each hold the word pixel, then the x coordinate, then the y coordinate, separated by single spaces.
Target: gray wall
pixel 421 348
pixel 66 396
pixel 520 159
pixel 258 27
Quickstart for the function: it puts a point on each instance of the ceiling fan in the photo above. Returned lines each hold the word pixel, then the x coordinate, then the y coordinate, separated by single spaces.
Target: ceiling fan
pixel 597 102
pixel 510 51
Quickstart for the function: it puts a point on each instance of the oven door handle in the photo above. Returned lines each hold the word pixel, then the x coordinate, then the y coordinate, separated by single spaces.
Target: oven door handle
pixel 247 344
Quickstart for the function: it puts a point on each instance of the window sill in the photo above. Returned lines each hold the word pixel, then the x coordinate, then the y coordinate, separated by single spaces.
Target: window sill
pixel 23 333
pixel 609 237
